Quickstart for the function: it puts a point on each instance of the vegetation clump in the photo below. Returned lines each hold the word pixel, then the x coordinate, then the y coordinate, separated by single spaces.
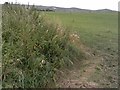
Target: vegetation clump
pixel 33 48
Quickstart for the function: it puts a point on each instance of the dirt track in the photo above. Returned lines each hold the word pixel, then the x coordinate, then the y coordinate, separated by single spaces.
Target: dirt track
pixel 88 73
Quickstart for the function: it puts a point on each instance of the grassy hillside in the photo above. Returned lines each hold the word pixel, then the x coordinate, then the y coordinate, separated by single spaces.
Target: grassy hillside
pixel 97 30
pixel 33 48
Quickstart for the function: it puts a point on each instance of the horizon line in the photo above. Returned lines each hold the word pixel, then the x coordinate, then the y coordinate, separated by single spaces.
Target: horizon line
pixel 63 6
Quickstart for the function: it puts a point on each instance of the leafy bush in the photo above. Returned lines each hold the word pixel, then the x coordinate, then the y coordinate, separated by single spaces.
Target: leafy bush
pixel 33 48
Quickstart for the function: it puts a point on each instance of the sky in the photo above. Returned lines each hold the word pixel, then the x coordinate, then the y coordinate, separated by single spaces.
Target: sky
pixel 83 4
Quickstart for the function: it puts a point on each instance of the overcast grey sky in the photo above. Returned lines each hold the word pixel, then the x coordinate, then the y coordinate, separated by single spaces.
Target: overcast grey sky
pixel 84 4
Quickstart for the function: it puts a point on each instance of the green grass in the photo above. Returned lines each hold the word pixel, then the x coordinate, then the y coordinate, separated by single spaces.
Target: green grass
pixel 33 48
pixel 97 30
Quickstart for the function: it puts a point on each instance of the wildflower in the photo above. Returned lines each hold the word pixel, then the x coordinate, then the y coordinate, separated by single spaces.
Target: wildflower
pixel 43 62
pixel 18 59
